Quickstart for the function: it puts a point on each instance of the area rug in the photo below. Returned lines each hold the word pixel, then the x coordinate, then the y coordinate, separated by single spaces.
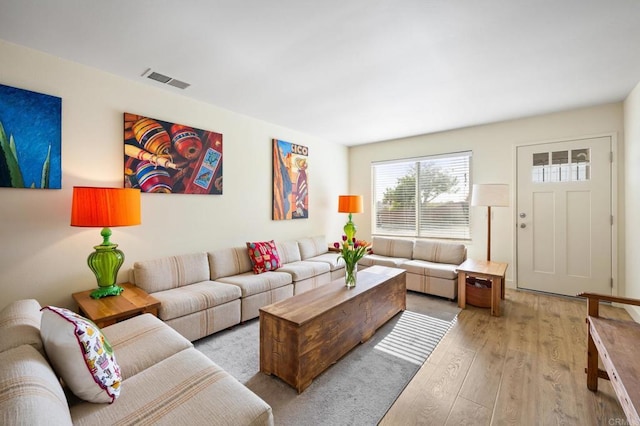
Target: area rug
pixel 360 387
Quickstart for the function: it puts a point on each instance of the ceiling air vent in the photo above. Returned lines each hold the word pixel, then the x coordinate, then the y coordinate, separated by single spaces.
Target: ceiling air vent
pixel 165 79
pixel 177 83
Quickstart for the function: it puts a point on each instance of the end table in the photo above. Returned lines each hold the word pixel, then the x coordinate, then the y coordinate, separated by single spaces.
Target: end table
pixel 493 271
pixel 111 309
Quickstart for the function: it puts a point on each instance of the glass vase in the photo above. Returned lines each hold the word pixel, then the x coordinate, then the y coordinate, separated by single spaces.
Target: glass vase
pixel 350 275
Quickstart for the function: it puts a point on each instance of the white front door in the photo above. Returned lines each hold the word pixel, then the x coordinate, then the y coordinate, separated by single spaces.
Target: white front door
pixel 564 217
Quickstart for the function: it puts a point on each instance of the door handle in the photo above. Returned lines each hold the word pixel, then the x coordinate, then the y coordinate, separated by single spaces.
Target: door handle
pixel 523 225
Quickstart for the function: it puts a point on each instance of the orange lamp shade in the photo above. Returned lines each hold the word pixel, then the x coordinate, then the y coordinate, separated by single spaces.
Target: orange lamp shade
pixel 105 207
pixel 350 204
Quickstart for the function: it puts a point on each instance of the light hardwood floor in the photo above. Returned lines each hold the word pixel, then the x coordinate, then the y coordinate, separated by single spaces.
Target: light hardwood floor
pixel 523 368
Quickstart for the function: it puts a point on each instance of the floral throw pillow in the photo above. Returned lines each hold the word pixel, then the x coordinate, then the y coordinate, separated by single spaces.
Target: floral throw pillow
pixel 264 256
pixel 80 355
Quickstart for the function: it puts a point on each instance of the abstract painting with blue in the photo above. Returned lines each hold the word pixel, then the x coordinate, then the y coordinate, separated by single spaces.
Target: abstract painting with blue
pixel 30 139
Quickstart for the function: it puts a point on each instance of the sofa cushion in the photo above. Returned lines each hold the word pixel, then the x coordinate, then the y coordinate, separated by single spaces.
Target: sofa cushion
pixel 171 272
pixel 264 256
pixel 80 354
pixel 143 341
pixel 228 261
pixel 441 252
pixel 303 269
pixel 313 246
pixel 289 252
pixel 207 322
pixel 30 392
pixel 329 257
pixel 431 269
pixel 186 388
pixel 376 259
pixel 392 247
pixel 20 325
pixel 251 283
pixel 192 298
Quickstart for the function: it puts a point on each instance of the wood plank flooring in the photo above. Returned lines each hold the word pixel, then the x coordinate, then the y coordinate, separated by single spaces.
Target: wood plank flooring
pixel 523 368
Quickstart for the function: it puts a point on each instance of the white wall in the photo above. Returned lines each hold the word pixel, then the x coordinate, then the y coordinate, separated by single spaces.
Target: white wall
pixel 493 147
pixel 632 191
pixel 44 258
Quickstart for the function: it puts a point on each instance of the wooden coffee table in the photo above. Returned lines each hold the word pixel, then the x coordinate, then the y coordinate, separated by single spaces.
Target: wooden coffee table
pixel 303 335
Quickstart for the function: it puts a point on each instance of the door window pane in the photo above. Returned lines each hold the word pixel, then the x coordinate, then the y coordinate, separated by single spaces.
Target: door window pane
pixel 560 166
pixel 580 164
pixel 540 170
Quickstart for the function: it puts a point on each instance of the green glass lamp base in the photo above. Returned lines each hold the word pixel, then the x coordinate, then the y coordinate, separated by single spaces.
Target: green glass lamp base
pixel 105 262
pixel 350 230
pixel 112 290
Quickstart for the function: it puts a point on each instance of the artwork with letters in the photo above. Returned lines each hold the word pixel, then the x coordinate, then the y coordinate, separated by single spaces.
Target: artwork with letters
pixel 290 186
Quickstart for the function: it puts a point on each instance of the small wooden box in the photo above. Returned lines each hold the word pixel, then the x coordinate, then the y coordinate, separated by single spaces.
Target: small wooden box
pixel 478 296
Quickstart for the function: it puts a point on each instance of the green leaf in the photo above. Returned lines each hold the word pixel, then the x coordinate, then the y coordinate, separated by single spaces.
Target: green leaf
pixel 8 148
pixel 44 182
pixel 12 145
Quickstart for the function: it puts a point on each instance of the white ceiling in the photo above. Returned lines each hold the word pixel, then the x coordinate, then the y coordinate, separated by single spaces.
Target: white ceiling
pixel 353 71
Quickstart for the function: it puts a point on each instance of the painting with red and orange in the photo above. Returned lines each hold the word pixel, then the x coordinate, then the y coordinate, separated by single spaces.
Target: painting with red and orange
pixel 290 185
pixel 165 157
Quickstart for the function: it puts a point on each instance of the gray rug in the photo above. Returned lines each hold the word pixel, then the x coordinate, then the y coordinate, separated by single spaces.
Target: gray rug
pixel 360 387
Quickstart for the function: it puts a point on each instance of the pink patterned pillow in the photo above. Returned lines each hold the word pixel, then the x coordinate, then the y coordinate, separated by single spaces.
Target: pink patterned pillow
pixel 264 256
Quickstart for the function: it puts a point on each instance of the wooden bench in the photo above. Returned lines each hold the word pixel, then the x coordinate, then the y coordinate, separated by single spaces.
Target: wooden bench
pixel 617 342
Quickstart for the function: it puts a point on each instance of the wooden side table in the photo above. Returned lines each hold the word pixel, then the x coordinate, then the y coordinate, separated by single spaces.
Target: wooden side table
pixel 111 309
pixel 492 271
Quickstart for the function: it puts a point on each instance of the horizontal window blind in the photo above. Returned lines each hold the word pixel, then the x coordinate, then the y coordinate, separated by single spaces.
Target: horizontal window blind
pixel 423 197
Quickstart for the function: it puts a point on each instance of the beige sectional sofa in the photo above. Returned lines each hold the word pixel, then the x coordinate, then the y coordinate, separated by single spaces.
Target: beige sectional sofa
pixel 430 265
pixel 191 303
pixel 232 266
pixel 306 274
pixel 165 380
pixel 316 250
pixel 202 293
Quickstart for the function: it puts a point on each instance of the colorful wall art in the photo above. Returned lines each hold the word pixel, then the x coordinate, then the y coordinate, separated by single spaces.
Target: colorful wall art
pixel 171 158
pixel 30 139
pixel 290 189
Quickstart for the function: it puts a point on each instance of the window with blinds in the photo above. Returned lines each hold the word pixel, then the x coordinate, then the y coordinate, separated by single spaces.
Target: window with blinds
pixel 423 197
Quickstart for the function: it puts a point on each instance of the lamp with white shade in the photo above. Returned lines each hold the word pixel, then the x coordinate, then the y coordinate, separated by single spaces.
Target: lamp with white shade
pixel 490 195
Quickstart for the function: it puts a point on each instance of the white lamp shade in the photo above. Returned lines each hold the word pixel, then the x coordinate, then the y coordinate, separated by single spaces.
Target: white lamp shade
pixel 490 194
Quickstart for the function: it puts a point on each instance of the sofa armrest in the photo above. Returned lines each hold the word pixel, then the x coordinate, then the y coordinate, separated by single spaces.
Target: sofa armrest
pixel 20 325
pixel 31 391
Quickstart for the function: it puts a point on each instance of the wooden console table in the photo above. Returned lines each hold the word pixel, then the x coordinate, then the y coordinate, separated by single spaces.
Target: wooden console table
pixel 303 335
pixel 492 271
